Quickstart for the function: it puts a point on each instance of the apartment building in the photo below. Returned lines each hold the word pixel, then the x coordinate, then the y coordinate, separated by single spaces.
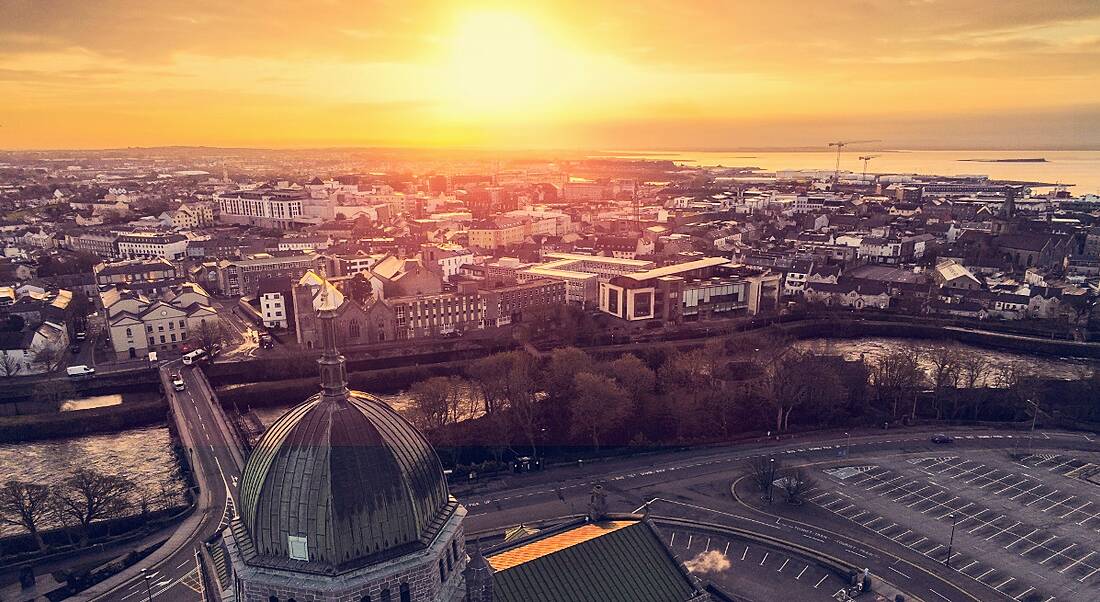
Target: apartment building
pixel 235 277
pixel 267 208
pixel 172 247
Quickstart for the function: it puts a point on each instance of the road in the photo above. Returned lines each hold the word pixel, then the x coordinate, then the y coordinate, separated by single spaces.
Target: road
pixel 697 485
pixel 218 462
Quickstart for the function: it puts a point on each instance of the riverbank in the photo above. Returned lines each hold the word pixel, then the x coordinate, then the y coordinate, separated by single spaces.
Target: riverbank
pixel 145 410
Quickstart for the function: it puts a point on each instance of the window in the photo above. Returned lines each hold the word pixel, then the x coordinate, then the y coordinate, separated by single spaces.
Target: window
pixel 273 599
pixel 442 574
pixel 129 332
pixel 162 338
pixel 405 595
pixel 173 337
pixel 298 547
pixel 152 341
pixel 385 595
pixel 454 548
pixel 171 326
pixel 364 599
pixel 160 328
pixel 353 329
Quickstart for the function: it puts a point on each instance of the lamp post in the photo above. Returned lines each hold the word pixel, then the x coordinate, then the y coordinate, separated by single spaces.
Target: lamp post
pixel 771 477
pixel 148 588
pixel 847 444
pixel 951 543
pixel 1034 418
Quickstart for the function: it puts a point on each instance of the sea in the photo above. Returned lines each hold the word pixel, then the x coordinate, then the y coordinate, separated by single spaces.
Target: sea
pixel 1079 171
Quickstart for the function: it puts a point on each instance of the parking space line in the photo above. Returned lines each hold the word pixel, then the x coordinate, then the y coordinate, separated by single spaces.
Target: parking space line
pixel 1026 492
pixel 1075 510
pixel 1058 553
pixel 1077 562
pixel 1023 537
pixel 1039 499
pixel 783 566
pixel 1093 572
pixel 1003 530
pixel 745 553
pixel 1072 497
pixel 1006 582
pixel 765 558
pixel 979 577
pixel 1023 593
pixel 820 582
pixel 972 563
pixel 802 571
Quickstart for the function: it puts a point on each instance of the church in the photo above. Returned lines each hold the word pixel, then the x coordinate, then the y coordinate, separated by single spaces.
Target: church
pixel 343 500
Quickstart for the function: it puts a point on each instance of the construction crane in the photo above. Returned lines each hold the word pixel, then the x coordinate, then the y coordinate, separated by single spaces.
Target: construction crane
pixel 865 159
pixel 840 144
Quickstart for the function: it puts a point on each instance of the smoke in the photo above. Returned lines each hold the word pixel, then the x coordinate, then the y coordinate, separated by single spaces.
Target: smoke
pixel 708 562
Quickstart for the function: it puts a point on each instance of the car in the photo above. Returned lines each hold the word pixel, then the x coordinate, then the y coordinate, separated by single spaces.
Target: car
pixel 267 341
pixel 941 439
pixel 177 382
pixel 74 348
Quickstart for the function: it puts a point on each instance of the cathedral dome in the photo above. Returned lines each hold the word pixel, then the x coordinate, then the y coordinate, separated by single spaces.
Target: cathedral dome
pixel 339 483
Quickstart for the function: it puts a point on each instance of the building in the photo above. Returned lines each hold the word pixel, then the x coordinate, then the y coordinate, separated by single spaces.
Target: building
pixel 343 500
pixel 235 277
pixel 276 306
pixel 446 259
pixel 431 315
pixel 582 274
pixel 508 304
pixel 402 277
pixel 360 318
pixel 276 209
pixel 103 245
pixel 172 247
pixel 951 274
pixel 178 321
pixel 136 271
pixel 498 233
pixel 697 290
pixel 190 216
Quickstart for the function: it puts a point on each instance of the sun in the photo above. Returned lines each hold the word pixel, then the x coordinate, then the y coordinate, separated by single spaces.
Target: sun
pixel 501 64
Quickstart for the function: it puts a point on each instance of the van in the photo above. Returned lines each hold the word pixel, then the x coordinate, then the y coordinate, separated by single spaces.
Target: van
pixel 194 357
pixel 79 371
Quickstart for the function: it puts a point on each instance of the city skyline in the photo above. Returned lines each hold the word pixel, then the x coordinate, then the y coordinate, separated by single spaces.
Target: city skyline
pixel 563 75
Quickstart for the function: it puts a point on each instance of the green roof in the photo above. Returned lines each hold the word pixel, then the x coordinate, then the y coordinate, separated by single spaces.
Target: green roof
pixel 624 564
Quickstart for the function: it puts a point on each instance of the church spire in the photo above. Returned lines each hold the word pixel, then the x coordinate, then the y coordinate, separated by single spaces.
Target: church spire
pixel 334 376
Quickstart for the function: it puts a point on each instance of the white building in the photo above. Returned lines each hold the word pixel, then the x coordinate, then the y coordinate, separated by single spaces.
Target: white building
pixel 169 325
pixel 172 247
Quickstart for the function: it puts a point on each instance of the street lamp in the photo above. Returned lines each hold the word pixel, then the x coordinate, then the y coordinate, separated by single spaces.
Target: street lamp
pixel 148 587
pixel 1031 434
pixel 771 477
pixel 951 543
pixel 848 444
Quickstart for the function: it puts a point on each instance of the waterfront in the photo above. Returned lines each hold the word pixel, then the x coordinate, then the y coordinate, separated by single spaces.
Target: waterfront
pixel 1080 168
pixel 142 455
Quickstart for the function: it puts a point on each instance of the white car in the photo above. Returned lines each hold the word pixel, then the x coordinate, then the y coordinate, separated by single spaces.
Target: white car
pixel 177 383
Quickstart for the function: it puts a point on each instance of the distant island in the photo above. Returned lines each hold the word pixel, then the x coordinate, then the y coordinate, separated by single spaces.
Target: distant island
pixel 1026 160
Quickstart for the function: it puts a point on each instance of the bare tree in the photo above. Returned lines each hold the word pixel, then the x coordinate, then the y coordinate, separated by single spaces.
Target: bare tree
pixel 49 355
pixel 896 377
pixel 26 505
pixel 88 496
pixel 795 483
pixel 763 471
pixel 945 368
pixel 9 365
pixel 436 401
pixel 210 333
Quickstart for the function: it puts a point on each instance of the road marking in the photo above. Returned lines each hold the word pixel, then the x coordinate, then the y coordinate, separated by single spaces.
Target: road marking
pixel 1077 562
pixel 802 571
pixel 745 553
pixel 1023 593
pixel 1058 553
pixel 939 594
pixel 984 574
pixel 820 582
pixel 900 573
pixel 762 560
pixel 1006 582
pixel 783 566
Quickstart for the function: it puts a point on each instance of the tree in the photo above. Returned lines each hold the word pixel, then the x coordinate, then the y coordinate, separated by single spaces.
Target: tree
pixel 9 365
pixel 795 483
pixel 896 377
pixel 211 332
pixel 436 402
pixel 26 505
pixel 763 471
pixel 524 409
pixel 88 496
pixel 565 363
pixel 944 363
pixel 598 407
pixel 632 375
pixel 49 355
pixel 489 374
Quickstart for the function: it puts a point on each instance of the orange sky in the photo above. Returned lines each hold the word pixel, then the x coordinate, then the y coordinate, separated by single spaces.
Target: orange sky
pixel 575 73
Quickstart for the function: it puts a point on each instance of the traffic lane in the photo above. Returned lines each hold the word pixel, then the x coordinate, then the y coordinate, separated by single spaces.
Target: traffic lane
pixel 644 471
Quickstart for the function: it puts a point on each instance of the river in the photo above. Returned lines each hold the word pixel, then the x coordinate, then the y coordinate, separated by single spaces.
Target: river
pixel 143 455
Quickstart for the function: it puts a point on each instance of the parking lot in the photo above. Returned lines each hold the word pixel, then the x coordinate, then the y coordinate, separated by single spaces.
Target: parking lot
pixel 1024 524
pixel 755 571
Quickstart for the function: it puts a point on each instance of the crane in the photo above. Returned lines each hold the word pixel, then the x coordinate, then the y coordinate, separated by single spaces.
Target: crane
pixel 865 159
pixel 840 144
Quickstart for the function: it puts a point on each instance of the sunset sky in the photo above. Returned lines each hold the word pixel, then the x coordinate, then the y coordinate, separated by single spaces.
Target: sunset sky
pixel 571 74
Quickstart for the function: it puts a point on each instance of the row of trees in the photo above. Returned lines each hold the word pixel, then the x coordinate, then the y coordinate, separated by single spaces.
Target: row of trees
pixel 85 497
pixel 743 384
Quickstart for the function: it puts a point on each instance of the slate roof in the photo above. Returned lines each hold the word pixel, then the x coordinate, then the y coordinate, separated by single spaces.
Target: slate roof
pixel 607 561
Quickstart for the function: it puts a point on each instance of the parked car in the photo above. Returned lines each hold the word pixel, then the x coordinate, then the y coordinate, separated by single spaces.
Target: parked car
pixel 267 341
pixel 177 382
pixel 80 371
pixel 941 439
pixel 74 348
